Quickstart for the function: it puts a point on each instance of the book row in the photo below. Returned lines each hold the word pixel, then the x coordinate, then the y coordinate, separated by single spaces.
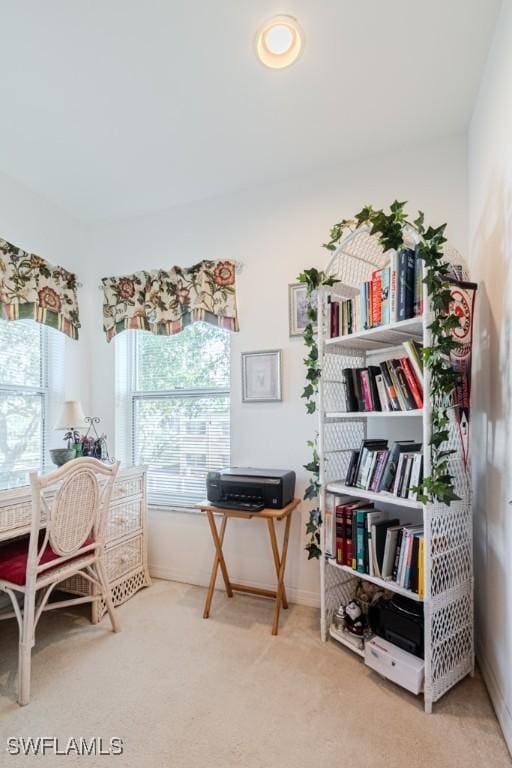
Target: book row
pixel 392 294
pixel 368 541
pixel 376 467
pixel 393 385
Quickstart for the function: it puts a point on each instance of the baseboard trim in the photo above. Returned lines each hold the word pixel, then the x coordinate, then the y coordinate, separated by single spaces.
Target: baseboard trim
pixel 498 701
pixel 299 596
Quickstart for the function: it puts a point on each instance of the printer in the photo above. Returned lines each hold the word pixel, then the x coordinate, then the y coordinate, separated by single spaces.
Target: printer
pixel 272 488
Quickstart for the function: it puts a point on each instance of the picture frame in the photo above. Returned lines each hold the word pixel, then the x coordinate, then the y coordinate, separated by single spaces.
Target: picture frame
pixel 297 308
pixel 261 376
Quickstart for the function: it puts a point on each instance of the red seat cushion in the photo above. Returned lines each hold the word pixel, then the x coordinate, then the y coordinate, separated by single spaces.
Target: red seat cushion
pixel 14 556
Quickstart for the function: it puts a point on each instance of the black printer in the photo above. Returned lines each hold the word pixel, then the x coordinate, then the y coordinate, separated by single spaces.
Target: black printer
pixel 272 488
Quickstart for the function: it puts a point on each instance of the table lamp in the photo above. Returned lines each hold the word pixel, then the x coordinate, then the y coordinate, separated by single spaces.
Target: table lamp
pixel 71 418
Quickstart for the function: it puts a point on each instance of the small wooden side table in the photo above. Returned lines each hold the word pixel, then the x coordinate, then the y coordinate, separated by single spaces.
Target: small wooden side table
pixel 270 515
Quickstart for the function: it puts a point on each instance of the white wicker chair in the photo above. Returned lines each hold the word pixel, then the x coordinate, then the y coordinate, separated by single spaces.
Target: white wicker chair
pixel 67 537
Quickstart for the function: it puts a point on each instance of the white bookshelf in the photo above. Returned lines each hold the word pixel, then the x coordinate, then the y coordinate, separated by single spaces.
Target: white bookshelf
pixel 448 598
pixel 373 414
pixel 341 489
pixel 388 584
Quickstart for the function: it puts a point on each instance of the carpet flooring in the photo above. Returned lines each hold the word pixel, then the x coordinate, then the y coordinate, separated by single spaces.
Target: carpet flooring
pixel 182 692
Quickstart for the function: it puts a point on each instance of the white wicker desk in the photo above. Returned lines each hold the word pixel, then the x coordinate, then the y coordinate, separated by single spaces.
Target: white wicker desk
pixel 126 537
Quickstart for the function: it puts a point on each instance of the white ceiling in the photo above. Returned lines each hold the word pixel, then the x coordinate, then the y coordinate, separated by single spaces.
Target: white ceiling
pixel 119 107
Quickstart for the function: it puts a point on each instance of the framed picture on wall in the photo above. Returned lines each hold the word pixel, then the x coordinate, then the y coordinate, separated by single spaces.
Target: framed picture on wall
pixel 297 307
pixel 261 376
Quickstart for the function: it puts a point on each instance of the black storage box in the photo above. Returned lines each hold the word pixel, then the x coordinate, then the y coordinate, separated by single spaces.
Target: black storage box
pixel 400 621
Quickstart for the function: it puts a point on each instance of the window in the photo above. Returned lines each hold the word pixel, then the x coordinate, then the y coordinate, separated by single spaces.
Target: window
pixel 26 386
pixel 173 408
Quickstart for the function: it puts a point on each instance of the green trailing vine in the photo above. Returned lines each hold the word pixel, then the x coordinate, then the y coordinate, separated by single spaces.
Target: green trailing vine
pixel 313 279
pixel 390 228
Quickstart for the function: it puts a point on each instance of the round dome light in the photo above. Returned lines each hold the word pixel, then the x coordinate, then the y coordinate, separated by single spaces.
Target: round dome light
pixel 279 41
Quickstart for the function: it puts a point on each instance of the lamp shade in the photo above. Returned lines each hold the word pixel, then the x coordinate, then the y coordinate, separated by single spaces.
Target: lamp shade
pixel 70 416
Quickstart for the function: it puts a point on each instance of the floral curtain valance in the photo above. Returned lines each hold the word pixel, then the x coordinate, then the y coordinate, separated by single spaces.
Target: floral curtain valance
pixel 32 288
pixel 165 302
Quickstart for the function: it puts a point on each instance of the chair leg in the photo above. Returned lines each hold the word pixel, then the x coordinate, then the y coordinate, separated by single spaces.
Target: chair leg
pixel 107 596
pixel 26 643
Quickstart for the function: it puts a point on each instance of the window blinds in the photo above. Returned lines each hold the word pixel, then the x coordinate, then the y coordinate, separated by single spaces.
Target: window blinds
pixel 173 409
pixel 31 378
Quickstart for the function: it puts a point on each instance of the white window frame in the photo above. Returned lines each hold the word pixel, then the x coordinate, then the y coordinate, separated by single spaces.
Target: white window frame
pixel 127 396
pixel 50 388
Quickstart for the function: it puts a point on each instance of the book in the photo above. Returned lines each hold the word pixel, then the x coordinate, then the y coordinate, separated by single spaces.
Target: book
pixel 385 297
pixel 393 287
pixel 390 387
pixel 348 551
pixel 418 286
pixel 416 475
pixel 396 562
pixel 415 389
pixel 412 583
pixel 390 548
pixel 365 389
pixel 415 354
pixel 379 533
pixel 404 394
pixel 351 469
pixel 329 533
pixel 405 567
pixel 382 457
pixel 389 475
pixel 385 405
pixel 376 298
pixel 334 319
pixel 332 500
pixel 363 306
pixel 421 567
pixel 405 287
pixel 361 540
pixel 373 372
pixel 349 513
pixel 399 474
pixel 356 378
pixel 404 490
pixel 367 469
pixel 366 445
pixel 351 402
pixel 407 554
pixel 372 518
pixel 356 314
pixel 340 534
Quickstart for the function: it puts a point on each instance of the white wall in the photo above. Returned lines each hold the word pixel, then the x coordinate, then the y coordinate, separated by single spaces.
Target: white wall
pixel 37 226
pixel 276 231
pixel 490 227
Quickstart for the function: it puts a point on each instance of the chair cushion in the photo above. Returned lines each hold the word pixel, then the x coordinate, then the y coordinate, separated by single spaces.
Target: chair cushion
pixel 14 556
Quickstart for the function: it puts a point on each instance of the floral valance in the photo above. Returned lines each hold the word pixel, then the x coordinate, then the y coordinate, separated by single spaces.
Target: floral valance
pixel 165 302
pixel 32 288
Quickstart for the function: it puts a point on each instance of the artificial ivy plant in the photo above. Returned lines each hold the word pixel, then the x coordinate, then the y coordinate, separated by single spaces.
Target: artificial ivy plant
pixel 390 228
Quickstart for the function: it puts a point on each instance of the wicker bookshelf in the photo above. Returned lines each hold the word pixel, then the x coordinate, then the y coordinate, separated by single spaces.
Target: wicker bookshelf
pixel 448 600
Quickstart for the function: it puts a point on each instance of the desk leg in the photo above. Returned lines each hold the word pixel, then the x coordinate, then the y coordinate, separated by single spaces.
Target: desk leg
pixel 280 579
pixel 275 552
pixel 218 540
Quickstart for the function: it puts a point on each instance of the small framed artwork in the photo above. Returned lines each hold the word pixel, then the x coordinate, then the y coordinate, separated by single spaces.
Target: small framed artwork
pixel 261 376
pixel 297 306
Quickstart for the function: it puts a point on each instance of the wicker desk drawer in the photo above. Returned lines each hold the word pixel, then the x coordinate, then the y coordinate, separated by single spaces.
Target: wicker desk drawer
pixel 124 518
pixel 123 558
pixel 129 486
pixel 16 516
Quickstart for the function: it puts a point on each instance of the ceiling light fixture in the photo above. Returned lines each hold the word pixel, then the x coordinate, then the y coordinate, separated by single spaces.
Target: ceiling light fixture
pixel 279 42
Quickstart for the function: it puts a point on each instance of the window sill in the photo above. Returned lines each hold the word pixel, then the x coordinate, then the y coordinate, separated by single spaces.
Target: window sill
pixel 172 509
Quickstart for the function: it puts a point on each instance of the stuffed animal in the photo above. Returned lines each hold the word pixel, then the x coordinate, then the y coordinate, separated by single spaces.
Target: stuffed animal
pixel 354 618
